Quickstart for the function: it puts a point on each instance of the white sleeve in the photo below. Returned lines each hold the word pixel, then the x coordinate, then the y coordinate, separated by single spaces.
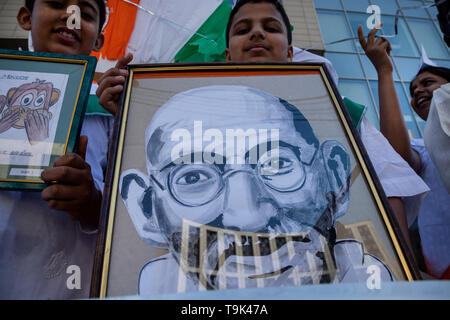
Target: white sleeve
pixel 396 176
pixel 437 132
pixel 98 129
pixel 300 55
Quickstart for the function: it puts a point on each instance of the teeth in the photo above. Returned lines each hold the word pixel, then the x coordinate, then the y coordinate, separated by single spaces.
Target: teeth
pixel 67 34
pixel 422 100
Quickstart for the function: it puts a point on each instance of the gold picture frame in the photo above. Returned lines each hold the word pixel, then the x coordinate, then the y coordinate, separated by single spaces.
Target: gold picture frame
pixel 131 254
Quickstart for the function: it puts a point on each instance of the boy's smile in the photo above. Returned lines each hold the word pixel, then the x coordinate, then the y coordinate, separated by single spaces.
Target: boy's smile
pixel 48 23
pixel 258 33
pixel 422 92
pixel 68 36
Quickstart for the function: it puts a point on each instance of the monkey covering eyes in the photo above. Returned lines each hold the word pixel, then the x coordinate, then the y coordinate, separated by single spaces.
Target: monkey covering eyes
pixel 28 107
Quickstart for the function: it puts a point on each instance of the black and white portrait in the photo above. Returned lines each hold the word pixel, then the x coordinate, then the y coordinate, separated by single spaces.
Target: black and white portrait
pixel 242 193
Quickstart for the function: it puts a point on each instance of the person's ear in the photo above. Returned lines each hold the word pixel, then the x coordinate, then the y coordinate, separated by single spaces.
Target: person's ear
pixel 290 53
pixel 337 165
pixel 227 54
pixel 24 18
pixel 99 42
pixel 137 194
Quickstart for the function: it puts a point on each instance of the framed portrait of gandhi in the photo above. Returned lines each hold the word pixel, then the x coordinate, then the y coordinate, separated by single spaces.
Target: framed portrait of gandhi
pixel 227 176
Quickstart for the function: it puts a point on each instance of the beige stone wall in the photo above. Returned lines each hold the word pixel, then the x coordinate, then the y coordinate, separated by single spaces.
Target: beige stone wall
pixel 302 15
pixel 9 28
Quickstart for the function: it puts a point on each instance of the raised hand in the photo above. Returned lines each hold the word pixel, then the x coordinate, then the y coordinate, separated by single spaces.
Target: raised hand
pixel 9 118
pixel 378 51
pixel 110 85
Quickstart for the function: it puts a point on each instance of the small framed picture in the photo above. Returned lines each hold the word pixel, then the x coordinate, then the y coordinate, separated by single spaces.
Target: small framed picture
pixel 234 176
pixel 42 103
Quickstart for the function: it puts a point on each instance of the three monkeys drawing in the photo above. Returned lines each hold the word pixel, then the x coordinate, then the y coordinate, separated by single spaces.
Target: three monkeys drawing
pixel 27 107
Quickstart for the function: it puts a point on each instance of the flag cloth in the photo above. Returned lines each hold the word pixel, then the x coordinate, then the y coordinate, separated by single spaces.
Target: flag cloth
pixel 93 107
pixel 355 110
pixel 118 29
pixel 178 26
pixel 198 48
pixel 177 31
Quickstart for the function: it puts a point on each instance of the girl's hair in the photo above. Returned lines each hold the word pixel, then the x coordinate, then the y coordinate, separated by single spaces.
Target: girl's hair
pixel 439 71
pixel 101 5
pixel 277 5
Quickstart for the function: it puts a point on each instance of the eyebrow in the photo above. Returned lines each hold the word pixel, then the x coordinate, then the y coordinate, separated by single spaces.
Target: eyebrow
pixel 89 4
pixel 264 20
pixel 281 144
pixel 192 155
pixel 427 78
pixel 421 81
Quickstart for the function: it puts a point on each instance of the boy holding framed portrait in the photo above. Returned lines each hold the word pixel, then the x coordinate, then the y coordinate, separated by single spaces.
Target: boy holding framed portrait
pixel 259 31
pixel 47 240
pixel 192 210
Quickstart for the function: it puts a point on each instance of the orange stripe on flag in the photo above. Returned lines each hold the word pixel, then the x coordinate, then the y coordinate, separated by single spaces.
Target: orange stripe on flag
pixel 122 17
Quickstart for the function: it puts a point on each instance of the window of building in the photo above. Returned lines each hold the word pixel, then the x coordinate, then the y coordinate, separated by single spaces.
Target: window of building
pixel 339 19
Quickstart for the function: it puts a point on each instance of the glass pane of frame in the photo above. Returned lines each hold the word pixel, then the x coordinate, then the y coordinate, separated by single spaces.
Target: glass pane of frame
pixel 194 207
pixel 42 100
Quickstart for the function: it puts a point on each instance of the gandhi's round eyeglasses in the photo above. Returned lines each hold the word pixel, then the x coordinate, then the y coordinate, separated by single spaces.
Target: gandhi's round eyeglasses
pixel 198 184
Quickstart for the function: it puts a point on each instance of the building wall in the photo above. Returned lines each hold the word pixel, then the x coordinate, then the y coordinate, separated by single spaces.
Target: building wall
pixel 12 36
pixel 339 19
pixel 303 17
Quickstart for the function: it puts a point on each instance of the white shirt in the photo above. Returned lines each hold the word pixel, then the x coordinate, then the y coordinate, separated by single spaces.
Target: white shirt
pixel 306 56
pixel 434 215
pixel 437 132
pixel 396 176
pixel 38 244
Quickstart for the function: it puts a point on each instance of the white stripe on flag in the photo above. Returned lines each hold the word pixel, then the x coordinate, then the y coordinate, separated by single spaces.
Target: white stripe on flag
pixel 155 40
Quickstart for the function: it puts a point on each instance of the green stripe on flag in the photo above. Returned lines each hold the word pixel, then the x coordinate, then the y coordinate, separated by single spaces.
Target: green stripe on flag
pixel 199 49
pixel 93 107
pixel 355 110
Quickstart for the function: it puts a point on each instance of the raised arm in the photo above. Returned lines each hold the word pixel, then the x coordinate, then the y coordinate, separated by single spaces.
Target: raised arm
pixel 392 124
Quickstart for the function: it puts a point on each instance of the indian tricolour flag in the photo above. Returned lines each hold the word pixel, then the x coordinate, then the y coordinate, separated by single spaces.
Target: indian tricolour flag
pixel 168 31
pixel 180 31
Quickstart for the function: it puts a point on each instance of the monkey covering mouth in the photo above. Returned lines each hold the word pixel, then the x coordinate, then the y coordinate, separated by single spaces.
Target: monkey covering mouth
pixel 23 112
pixel 23 103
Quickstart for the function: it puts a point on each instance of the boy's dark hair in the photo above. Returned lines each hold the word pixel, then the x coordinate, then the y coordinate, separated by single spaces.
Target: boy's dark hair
pixel 101 5
pixel 277 5
pixel 439 71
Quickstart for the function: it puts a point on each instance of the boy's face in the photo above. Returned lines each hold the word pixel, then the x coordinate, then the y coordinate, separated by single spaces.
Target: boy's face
pixel 49 29
pixel 258 33
pixel 422 88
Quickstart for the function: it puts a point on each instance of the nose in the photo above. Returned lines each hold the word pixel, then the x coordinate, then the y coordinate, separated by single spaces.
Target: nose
pixel 248 206
pixel 257 32
pixel 417 90
pixel 64 16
